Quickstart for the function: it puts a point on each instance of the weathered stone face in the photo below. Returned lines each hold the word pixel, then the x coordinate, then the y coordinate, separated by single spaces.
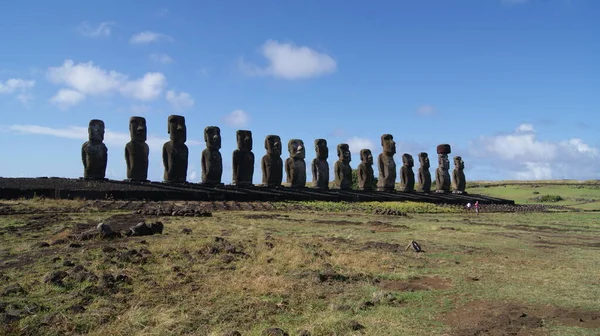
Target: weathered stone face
pixel 244 140
pixel 388 144
pixel 459 163
pixel 321 149
pixel 137 129
pixel 296 149
pixel 407 160
pixel 177 129
pixel 443 161
pixel 212 137
pixel 366 156
pixel 343 152
pixel 442 176
pixel 273 145
pixel 96 130
pixel 424 160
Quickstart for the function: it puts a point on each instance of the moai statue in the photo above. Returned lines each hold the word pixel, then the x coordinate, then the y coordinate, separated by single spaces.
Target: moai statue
pixel 272 164
pixel 424 174
pixel 212 162
pixel 136 151
pixel 295 167
pixel 343 171
pixel 407 176
pixel 243 159
pixel 386 164
pixel 442 176
pixel 365 170
pixel 320 167
pixel 94 153
pixel 458 175
pixel 175 151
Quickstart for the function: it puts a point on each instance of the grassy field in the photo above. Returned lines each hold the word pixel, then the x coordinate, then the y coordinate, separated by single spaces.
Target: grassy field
pixel 309 269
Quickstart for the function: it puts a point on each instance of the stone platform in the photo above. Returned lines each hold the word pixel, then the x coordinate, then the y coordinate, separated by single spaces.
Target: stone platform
pixel 63 188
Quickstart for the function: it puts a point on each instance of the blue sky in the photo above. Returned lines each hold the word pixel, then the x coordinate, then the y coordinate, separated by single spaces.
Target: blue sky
pixel 512 85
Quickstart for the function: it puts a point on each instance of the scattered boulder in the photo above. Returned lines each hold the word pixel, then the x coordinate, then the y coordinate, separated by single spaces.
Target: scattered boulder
pixel 186 231
pixel 356 326
pixel 105 231
pixel 144 229
pixel 55 277
pixel 41 245
pixel 274 332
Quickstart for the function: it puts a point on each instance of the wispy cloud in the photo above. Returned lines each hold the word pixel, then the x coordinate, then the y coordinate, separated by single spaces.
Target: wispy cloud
pixel 426 110
pixel 179 101
pixel 161 58
pixel 291 62
pixel 149 37
pixel 237 118
pixel 20 87
pixel 103 29
pixel 357 144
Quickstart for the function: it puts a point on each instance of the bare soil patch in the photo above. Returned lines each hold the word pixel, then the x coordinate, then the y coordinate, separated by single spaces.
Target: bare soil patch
pixel 498 318
pixel 415 284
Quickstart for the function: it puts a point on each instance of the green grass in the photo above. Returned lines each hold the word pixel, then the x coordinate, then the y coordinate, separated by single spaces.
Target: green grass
pixel 316 269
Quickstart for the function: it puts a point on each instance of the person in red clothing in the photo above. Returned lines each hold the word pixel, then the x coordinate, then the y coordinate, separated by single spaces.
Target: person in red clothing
pixel 477 207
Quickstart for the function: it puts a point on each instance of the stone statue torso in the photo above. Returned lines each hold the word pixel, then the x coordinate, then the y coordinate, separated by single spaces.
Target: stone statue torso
pixel 424 179
pixel 95 157
pixel 365 176
pixel 212 166
pixel 387 172
pixel 243 167
pixel 136 156
pixel 407 178
pixel 296 173
pixel 320 170
pixel 442 179
pixel 343 175
pixel 175 160
pixel 460 181
pixel 272 170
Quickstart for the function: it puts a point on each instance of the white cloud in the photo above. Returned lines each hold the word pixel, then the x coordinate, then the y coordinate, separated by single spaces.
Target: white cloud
pixel 287 61
pixel 88 79
pixel 521 155
pixel 237 118
pixel 148 87
pixel 19 86
pixel 111 138
pixel 426 110
pixel 179 101
pixel 357 144
pixel 66 98
pixel 149 37
pixel 161 58
pixel 102 30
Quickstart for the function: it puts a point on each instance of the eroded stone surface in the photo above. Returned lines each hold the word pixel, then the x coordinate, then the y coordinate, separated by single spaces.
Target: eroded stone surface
pixel 442 174
pixel 386 164
pixel 175 151
pixel 212 162
pixel 365 170
pixel 271 163
pixel 137 150
pixel 343 171
pixel 424 174
pixel 407 176
pixel 94 153
pixel 243 159
pixel 458 175
pixel 295 167
pixel 320 166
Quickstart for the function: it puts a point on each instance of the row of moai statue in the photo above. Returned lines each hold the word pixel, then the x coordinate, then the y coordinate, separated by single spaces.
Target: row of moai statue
pixel 175 161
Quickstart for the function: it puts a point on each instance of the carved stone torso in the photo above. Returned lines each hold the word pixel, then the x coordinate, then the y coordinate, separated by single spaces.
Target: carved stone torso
pixel 387 172
pixel 95 158
pixel 365 176
pixel 243 167
pixel 460 182
pixel 272 170
pixel 136 157
pixel 424 179
pixel 212 166
pixel 442 180
pixel 296 172
pixel 175 161
pixel 407 179
pixel 343 175
pixel 320 170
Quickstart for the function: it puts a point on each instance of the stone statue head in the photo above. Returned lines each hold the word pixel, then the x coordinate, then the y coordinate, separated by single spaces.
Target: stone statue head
pixel 212 137
pixel 177 129
pixel 244 140
pixel 443 150
pixel 343 152
pixel 407 160
pixel 321 149
pixel 96 130
pixel 424 160
pixel 137 129
pixel 389 146
pixel 459 163
pixel 366 156
pixel 296 149
pixel 273 145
